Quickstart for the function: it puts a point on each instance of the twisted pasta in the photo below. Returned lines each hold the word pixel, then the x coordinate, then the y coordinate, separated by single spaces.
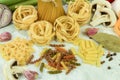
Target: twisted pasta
pixel 80 10
pixel 41 32
pixel 67 29
pixel 24 16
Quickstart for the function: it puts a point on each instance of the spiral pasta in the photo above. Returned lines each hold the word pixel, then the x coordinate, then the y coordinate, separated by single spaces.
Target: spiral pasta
pixel 67 29
pixel 24 16
pixel 41 32
pixel 80 10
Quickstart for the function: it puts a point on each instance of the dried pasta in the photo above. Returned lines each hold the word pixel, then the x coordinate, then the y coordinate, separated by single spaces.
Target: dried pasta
pixel 41 32
pixel 80 10
pixel 89 51
pixel 19 49
pixel 67 29
pixel 50 10
pixel 24 16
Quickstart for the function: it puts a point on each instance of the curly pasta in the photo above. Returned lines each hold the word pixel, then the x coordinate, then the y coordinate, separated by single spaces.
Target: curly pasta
pixel 41 32
pixel 80 10
pixel 19 49
pixel 24 16
pixel 67 29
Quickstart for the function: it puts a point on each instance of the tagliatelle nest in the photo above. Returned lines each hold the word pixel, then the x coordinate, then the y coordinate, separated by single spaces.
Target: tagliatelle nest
pixel 41 32
pixel 80 10
pixel 67 29
pixel 24 16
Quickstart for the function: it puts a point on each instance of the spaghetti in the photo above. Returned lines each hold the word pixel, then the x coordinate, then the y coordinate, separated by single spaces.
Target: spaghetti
pixel 50 10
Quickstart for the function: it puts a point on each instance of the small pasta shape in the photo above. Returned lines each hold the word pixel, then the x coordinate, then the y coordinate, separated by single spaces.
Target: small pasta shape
pixel 16 49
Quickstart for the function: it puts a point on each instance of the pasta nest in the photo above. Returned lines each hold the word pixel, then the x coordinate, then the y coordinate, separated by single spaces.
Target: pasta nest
pixel 24 16
pixel 41 32
pixel 67 29
pixel 80 11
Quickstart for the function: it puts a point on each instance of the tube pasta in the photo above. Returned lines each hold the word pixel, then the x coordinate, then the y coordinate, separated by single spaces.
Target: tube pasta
pixel 41 32
pixel 90 52
pixel 24 16
pixel 80 10
pixel 67 29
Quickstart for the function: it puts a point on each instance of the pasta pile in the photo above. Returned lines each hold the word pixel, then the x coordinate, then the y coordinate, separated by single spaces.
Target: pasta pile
pixel 41 32
pixel 50 10
pixel 24 16
pixel 67 29
pixel 58 59
pixel 90 52
pixel 18 49
pixel 80 10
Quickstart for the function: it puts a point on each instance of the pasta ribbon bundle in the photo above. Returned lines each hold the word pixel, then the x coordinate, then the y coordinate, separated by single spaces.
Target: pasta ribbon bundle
pixel 18 49
pixel 41 32
pixel 24 16
pixel 80 10
pixel 50 10
pixel 90 52
pixel 67 29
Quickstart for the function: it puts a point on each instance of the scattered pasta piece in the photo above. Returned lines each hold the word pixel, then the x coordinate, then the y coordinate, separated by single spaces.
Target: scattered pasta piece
pixel 80 10
pixel 59 59
pixel 67 29
pixel 24 16
pixel 18 49
pixel 41 32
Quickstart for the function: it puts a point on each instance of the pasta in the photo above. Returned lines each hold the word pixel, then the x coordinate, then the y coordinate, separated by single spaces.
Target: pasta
pixel 18 49
pixel 80 10
pixel 24 16
pixel 41 32
pixel 89 52
pixel 67 29
pixel 50 10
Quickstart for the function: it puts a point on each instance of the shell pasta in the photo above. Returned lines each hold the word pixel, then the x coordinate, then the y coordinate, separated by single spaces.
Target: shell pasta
pixel 41 32
pixel 67 29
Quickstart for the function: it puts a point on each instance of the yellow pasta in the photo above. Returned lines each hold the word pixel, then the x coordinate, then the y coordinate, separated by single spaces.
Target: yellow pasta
pixel 80 10
pixel 43 51
pixel 50 68
pixel 73 51
pixel 24 16
pixel 67 29
pixel 50 10
pixel 64 66
pixel 90 52
pixel 19 49
pixel 41 32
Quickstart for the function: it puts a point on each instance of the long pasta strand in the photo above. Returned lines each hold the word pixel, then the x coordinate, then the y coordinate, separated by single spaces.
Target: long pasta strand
pixel 50 11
